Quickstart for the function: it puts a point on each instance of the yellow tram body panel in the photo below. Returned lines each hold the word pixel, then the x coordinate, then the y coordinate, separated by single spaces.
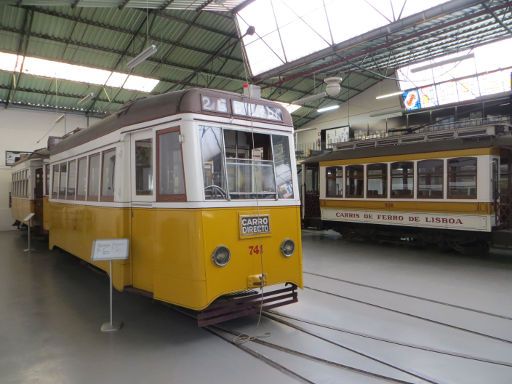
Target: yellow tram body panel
pixel 46 216
pixel 74 227
pixel 171 248
pixel 21 207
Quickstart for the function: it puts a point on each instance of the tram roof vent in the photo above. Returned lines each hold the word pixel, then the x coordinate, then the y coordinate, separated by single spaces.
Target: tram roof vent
pixel 252 91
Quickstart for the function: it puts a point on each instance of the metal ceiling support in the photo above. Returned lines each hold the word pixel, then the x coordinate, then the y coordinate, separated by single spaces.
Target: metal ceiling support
pixel 94 23
pixel 207 28
pixel 119 52
pixel 241 6
pixel 27 27
pixel 419 34
pixel 222 65
pixel 144 21
pixel 45 92
pixel 182 36
pixel 225 45
pixel 307 116
pixel 166 4
pixel 204 5
pixel 413 21
pixel 122 4
pixel 496 18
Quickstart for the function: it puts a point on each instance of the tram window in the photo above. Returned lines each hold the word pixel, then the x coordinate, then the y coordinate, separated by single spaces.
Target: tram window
pixel 334 180
pixel 505 175
pixel 377 180
pixel 94 177
pixel 249 165
pixel 143 167
pixel 70 195
pixel 462 174
pixel 108 174
pixel 402 180
pixel 55 181
pixel 171 181
pixel 354 181
pixel 63 180
pixel 47 179
pixel 283 166
pixel 26 183
pixel 430 179
pixel 81 177
pixel 311 179
pixel 212 159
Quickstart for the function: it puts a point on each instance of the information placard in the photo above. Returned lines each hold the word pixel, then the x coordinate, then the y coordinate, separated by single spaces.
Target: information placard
pixel 29 216
pixel 110 249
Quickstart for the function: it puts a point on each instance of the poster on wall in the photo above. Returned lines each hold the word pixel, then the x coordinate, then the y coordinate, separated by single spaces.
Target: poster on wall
pixel 336 135
pixel 411 100
pixel 12 157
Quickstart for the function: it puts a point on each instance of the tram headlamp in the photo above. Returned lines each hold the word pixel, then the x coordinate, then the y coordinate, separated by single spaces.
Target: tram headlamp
pixel 221 256
pixel 287 247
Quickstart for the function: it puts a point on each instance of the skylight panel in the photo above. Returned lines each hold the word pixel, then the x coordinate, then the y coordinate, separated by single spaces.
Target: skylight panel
pixel 465 75
pixel 289 107
pixel 54 69
pixel 287 30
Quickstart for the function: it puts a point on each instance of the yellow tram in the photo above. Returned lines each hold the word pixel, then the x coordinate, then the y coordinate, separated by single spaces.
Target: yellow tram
pixel 27 183
pixel 204 185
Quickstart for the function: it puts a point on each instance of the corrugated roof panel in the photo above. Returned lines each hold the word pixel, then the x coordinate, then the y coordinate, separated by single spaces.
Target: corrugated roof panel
pixel 218 21
pixel 51 25
pixel 9 41
pixel 12 17
pixel 166 29
pixel 5 79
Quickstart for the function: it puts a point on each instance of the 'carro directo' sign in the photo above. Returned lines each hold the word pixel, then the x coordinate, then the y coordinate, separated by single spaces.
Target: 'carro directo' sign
pixel 254 225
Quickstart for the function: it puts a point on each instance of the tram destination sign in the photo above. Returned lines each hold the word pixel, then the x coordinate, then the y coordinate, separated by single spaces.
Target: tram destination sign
pixel 254 225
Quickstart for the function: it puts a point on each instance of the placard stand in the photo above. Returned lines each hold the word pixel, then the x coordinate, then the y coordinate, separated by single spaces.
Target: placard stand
pixel 28 220
pixel 108 250
pixel 111 326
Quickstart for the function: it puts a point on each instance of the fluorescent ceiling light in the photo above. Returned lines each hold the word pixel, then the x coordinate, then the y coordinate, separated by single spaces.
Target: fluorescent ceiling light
pixel 141 57
pixel 55 69
pixel 329 108
pixel 289 107
pixel 388 95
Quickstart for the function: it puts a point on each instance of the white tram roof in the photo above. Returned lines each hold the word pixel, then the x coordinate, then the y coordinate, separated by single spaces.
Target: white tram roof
pixel 168 104
pixel 448 144
pixel 38 154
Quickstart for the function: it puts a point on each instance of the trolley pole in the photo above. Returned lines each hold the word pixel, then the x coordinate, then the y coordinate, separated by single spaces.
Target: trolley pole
pixel 28 220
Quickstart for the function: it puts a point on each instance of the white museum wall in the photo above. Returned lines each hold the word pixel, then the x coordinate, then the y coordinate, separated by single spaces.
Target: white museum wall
pixel 20 129
pixel 355 112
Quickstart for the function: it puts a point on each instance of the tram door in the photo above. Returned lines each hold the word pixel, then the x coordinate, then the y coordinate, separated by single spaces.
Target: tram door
pixel 311 212
pixel 505 189
pixel 38 194
pixel 142 185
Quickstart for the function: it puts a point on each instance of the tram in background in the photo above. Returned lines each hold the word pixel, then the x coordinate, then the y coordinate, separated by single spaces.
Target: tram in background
pixel 204 185
pixel 27 190
pixel 449 188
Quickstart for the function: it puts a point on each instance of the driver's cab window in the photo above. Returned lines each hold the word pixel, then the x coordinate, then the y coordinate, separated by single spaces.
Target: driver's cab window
pixel 212 159
pixel 144 167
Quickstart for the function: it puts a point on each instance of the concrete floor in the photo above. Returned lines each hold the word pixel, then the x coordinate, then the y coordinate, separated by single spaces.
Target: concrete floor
pixel 52 306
